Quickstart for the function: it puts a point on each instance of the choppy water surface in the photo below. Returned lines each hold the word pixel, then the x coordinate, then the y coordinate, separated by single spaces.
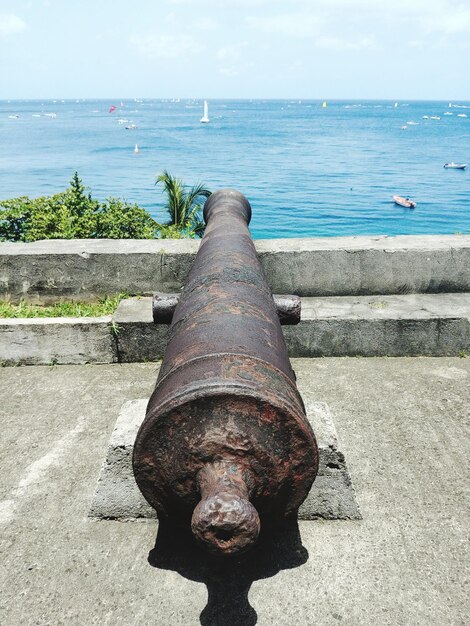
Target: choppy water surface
pixel 307 170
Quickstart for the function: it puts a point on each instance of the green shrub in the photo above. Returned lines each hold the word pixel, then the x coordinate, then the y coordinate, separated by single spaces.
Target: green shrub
pixel 73 214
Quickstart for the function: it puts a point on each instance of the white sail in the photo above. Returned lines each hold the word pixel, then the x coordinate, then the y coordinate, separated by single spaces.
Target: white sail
pixel 205 117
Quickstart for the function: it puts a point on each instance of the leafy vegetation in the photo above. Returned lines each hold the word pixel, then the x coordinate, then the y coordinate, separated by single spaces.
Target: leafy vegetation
pixel 74 214
pixel 106 306
pixel 183 206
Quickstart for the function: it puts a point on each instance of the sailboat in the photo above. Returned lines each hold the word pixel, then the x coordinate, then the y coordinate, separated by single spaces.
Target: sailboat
pixel 205 117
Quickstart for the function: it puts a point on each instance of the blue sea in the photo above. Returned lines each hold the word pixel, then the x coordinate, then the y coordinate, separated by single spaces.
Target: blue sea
pixel 308 170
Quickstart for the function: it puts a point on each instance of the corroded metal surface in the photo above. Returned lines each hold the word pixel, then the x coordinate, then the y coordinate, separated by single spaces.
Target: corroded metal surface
pixel 163 307
pixel 225 445
pixel 288 308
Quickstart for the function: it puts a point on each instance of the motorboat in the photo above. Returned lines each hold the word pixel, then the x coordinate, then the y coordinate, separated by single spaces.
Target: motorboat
pixel 455 166
pixel 405 202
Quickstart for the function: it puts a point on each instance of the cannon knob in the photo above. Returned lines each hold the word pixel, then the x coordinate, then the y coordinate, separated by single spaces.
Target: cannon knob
pixel 224 521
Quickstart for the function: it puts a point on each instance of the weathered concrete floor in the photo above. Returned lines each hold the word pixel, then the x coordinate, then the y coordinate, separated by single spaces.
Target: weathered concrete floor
pixel 404 429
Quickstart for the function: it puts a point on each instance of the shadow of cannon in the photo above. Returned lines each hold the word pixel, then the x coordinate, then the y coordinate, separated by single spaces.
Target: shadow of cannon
pixel 228 579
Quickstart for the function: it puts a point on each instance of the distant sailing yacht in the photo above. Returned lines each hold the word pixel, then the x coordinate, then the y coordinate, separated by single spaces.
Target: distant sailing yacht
pixel 205 117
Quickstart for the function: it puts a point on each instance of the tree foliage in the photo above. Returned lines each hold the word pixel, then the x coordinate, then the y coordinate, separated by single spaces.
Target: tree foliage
pixel 73 214
pixel 183 206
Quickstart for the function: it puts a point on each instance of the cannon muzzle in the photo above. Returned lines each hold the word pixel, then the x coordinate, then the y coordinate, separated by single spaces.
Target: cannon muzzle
pixel 225 445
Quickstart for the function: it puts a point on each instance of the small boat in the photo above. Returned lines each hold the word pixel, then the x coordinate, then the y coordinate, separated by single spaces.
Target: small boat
pixel 461 115
pixel 205 117
pixel 324 104
pixel 406 202
pixel 455 166
pixel 131 127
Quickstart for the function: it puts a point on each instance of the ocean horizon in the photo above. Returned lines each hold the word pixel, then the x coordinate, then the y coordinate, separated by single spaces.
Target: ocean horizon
pixel 308 169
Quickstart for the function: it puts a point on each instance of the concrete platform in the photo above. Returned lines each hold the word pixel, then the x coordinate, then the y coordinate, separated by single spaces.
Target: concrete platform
pixel 42 341
pixel 404 428
pixel 118 497
pixel 399 325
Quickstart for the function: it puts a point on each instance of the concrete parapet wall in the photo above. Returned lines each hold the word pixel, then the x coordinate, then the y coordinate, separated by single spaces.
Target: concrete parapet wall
pixel 343 266
pixel 87 269
pixel 338 266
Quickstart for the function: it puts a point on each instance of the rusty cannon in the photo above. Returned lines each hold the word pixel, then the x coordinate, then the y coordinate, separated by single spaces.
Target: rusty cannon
pixel 225 445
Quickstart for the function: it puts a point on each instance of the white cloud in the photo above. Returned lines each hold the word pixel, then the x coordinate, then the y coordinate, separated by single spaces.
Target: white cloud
pixel 165 46
pixel 231 58
pixel 11 25
pixel 448 17
pixel 415 43
pixel 228 4
pixel 205 23
pixel 449 23
pixel 337 44
pixel 289 24
pixel 229 71
pixel 231 52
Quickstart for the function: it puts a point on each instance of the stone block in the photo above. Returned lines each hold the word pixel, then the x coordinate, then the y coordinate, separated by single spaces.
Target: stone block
pixel 118 497
pixel 138 338
pixel 42 341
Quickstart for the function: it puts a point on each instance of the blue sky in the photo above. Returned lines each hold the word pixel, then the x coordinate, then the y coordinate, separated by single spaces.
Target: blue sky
pixel 393 49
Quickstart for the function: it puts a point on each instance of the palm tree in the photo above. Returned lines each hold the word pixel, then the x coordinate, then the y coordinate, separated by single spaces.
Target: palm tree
pixel 184 207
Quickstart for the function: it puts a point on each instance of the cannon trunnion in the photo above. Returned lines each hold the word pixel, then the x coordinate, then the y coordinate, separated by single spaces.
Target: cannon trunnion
pixel 225 445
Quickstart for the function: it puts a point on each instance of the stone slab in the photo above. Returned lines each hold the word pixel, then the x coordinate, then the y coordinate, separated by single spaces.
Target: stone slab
pixel 45 341
pixel 87 269
pixel 138 338
pixel 400 325
pixel 118 497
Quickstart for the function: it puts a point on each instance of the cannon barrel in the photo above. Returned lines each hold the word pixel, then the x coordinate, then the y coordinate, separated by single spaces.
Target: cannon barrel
pixel 225 445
